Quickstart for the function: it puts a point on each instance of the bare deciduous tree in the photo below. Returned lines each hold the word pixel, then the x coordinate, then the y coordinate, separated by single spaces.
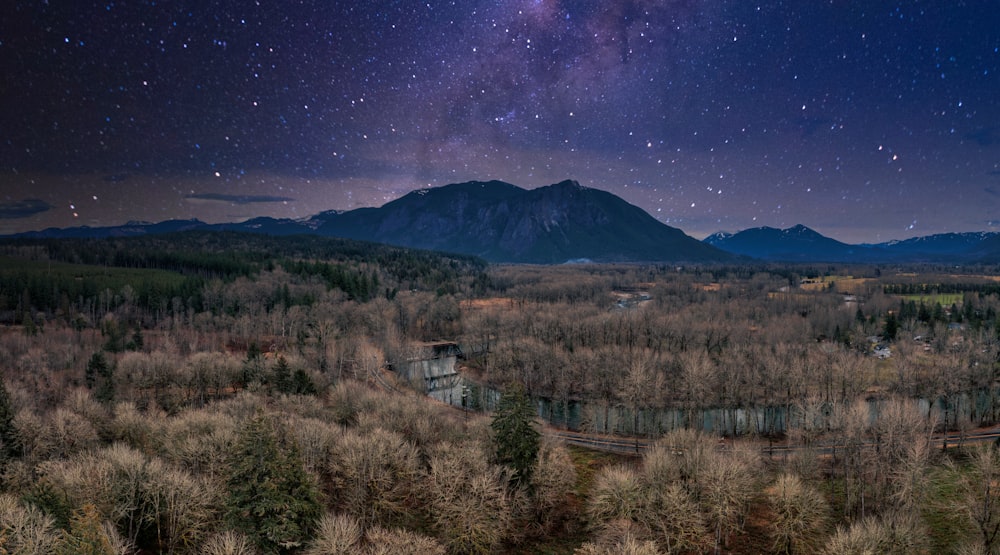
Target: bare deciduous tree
pixel 889 534
pixel 471 506
pixel 680 456
pixel 382 541
pixel 617 494
pixel 982 496
pixel 674 519
pixel 800 515
pixel 344 535
pixel 25 529
pixel 228 542
pixel 729 483
pixel 552 483
pixel 374 476
pixel 621 537
pixel 336 534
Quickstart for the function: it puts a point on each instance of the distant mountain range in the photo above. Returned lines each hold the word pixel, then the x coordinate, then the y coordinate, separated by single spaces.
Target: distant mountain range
pixel 565 222
pixel 497 221
pixel 801 244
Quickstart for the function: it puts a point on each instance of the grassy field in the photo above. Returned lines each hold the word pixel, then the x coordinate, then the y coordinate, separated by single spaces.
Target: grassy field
pixel 843 284
pixel 944 299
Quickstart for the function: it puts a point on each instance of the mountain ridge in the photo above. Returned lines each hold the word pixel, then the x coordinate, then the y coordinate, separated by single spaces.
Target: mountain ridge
pixel 563 222
pixel 494 220
pixel 802 244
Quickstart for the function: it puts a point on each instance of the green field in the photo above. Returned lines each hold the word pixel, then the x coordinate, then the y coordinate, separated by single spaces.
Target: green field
pixel 944 299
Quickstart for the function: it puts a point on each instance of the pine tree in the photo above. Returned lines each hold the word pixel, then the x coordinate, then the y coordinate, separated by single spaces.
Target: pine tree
pixel 100 375
pixel 10 444
pixel 253 366
pixel 891 328
pixel 281 376
pixel 97 366
pixel 137 341
pixel 302 384
pixel 272 499
pixel 517 439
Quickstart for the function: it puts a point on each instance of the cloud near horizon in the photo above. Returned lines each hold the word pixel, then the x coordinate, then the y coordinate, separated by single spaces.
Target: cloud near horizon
pixel 237 199
pixel 17 209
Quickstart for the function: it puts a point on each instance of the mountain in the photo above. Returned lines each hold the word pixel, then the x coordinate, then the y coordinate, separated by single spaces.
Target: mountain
pixel 947 247
pixel 795 244
pixel 129 229
pixel 565 222
pixel 505 223
pixel 494 220
pixel 988 251
pixel 801 244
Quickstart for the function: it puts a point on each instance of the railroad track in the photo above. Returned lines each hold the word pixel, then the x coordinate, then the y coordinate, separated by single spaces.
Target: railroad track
pixel 637 446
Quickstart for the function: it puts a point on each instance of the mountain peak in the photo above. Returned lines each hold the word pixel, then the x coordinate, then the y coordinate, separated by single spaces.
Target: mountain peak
pixel 505 223
pixel 569 183
pixel 796 243
pixel 802 244
pixel 799 228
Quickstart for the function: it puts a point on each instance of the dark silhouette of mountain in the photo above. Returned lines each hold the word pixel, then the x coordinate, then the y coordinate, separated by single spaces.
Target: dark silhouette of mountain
pixel 501 222
pixel 987 251
pixel 801 244
pixel 130 229
pixel 946 247
pixel 494 220
pixel 795 244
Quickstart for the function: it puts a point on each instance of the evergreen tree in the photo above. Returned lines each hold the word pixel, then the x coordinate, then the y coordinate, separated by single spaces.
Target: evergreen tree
pixel 30 328
pixel 924 313
pixel 100 375
pixel 281 376
pixel 891 328
pixel 10 444
pixel 115 334
pixel 271 497
pixel 302 384
pixel 136 343
pixel 517 439
pixel 97 367
pixel 253 366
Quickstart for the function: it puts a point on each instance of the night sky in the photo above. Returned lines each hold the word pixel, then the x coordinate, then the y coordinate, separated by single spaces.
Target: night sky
pixel 866 120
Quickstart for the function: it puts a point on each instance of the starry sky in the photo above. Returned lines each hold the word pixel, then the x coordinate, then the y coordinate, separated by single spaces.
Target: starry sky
pixel 867 120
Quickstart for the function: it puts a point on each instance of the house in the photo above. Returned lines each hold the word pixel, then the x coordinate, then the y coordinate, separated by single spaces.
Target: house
pixel 882 352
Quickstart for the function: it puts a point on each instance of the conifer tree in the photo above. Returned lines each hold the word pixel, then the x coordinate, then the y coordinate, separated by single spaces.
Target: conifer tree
pixel 281 376
pixel 272 499
pixel 10 444
pixel 253 366
pixel 96 366
pixel 517 439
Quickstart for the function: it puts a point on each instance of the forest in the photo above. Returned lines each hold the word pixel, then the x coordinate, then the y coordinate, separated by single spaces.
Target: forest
pixel 226 393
